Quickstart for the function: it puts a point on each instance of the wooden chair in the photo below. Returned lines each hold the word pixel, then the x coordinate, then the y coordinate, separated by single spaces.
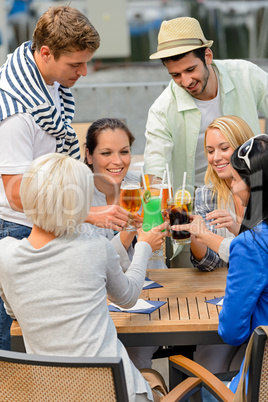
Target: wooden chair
pixel 81 132
pixel 25 378
pixel 181 367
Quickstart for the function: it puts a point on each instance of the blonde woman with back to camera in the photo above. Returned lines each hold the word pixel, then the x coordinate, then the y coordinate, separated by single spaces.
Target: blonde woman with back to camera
pixel 56 281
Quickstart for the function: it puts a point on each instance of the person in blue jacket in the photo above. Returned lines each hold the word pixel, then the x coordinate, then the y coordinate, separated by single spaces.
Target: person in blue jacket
pixel 245 305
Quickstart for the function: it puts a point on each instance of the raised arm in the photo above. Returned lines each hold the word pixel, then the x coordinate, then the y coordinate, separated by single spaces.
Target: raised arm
pixel 203 256
pixel 124 288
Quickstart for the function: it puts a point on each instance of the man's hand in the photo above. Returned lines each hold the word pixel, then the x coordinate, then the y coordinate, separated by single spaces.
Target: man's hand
pixel 135 220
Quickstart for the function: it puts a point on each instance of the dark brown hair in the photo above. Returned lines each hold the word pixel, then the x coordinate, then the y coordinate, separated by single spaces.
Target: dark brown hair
pixel 199 53
pixel 256 178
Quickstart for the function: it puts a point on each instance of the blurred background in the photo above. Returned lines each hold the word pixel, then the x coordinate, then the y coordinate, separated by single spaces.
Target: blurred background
pixel 121 81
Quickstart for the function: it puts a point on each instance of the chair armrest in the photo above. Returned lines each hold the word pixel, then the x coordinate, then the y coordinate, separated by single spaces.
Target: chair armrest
pixel 183 390
pixel 192 368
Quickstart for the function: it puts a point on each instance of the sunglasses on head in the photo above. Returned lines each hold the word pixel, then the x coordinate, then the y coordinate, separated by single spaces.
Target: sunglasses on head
pixel 245 148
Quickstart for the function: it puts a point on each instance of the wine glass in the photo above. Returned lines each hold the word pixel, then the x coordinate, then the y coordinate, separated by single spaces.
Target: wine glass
pixel 130 199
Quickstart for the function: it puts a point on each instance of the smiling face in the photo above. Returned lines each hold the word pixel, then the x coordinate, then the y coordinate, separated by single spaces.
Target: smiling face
pixel 219 153
pixel 193 76
pixel 239 187
pixel 111 158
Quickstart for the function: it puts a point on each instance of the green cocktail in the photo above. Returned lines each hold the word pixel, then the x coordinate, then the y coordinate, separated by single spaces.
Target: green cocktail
pixel 152 216
pixel 152 213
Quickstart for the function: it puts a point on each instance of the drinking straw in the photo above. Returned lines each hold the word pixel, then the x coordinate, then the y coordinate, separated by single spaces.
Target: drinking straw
pixel 143 178
pixel 183 186
pixel 147 181
pixel 168 180
pixel 162 185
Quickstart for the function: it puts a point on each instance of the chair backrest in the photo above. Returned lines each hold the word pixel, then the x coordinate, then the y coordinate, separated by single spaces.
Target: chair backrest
pixel 258 370
pixel 26 377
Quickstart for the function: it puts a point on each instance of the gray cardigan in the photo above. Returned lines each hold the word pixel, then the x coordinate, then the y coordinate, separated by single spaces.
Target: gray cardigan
pixel 58 295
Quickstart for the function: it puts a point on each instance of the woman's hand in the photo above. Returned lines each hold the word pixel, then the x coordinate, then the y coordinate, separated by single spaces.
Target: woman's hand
pixel 155 236
pixel 222 219
pixel 196 227
pixel 109 216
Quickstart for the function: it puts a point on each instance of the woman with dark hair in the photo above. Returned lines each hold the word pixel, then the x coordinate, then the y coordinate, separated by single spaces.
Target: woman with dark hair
pixel 114 156
pixel 108 154
pixel 250 162
pixel 245 305
pixel 108 144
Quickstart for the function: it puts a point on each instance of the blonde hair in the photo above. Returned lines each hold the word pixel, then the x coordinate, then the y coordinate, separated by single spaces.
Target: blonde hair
pixel 236 131
pixel 56 193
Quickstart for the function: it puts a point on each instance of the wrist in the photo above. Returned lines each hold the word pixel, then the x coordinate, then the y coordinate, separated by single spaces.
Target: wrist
pixel 212 240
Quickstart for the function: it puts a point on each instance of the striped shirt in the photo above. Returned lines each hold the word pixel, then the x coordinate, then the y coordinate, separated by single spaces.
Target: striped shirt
pixel 23 90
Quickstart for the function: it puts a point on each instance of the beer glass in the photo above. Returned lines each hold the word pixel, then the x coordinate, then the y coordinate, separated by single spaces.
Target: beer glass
pixel 130 199
pixel 179 215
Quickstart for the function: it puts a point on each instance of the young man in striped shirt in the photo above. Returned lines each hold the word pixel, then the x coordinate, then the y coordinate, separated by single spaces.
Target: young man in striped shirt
pixel 36 109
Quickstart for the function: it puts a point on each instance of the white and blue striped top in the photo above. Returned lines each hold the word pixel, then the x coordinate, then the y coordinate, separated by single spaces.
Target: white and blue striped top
pixel 23 90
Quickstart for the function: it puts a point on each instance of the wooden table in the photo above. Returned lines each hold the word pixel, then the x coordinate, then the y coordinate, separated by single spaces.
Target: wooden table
pixel 186 319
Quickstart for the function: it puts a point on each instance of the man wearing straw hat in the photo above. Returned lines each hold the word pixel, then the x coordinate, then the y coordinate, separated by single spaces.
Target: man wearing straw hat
pixel 201 89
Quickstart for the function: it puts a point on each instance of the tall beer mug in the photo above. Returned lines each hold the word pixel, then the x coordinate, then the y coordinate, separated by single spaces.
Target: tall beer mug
pixel 130 199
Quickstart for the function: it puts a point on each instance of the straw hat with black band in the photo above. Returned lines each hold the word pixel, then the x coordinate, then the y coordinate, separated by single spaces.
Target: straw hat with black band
pixel 180 35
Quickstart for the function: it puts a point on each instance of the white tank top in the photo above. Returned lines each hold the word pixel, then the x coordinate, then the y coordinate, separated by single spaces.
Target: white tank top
pixel 210 110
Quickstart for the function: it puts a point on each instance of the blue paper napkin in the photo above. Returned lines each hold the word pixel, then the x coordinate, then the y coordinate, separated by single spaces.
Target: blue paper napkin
pixel 156 305
pixel 218 301
pixel 151 285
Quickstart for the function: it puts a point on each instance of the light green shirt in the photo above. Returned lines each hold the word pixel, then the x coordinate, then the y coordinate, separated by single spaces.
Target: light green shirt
pixel 174 120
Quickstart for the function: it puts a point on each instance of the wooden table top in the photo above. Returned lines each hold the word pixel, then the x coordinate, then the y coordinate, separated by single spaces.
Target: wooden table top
pixel 185 319
pixel 185 291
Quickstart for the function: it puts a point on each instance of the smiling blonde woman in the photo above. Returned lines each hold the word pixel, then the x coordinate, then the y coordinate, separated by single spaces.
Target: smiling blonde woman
pixel 219 207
